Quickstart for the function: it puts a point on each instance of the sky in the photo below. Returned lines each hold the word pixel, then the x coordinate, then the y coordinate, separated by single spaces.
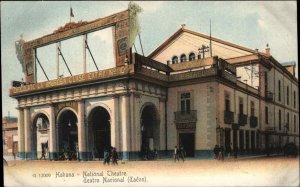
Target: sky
pixel 250 24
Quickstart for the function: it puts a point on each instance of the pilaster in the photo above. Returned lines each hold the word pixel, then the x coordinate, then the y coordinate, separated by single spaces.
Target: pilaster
pixel 21 141
pixel 125 121
pixel 28 134
pixel 83 155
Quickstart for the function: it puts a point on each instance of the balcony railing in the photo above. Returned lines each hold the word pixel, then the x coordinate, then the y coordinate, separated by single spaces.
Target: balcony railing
pixel 269 96
pixel 253 121
pixel 228 117
pixel 185 116
pixel 270 128
pixel 242 119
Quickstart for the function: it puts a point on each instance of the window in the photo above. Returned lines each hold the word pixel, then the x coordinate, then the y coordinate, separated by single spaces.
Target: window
pixel 279 90
pixel 252 108
pixel 175 60
pixel 288 95
pixel 279 119
pixel 185 102
pixel 287 121
pixel 183 58
pixel 295 123
pixel 294 99
pixel 266 82
pixel 199 56
pixel 241 105
pixel 266 115
pixel 227 102
pixel 192 56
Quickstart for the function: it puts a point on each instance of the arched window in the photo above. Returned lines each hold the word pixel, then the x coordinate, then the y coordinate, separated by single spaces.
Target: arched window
pixel 192 56
pixel 183 58
pixel 175 60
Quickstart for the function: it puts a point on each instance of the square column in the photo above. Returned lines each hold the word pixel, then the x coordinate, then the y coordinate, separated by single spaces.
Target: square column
pixel 28 134
pixel 21 143
pixel 162 125
pixel 115 128
pixel 125 119
pixel 83 154
pixel 53 152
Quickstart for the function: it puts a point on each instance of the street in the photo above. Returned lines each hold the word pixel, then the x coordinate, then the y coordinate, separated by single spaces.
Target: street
pixel 273 171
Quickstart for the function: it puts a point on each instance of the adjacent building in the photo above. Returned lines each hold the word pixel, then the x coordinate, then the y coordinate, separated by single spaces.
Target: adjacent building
pixel 10 135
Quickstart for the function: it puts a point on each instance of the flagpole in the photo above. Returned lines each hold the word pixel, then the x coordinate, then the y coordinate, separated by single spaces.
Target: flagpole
pixel 210 37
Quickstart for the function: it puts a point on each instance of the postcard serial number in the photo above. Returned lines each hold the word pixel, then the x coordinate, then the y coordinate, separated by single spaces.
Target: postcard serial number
pixel 40 175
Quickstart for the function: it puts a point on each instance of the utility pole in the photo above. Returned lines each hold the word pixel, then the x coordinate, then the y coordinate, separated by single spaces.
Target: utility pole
pixel 203 50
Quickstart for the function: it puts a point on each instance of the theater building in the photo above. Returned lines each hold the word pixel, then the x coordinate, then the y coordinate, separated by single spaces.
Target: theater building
pixel 177 95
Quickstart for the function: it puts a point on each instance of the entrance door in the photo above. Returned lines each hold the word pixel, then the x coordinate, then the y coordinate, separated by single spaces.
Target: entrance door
pixel 187 140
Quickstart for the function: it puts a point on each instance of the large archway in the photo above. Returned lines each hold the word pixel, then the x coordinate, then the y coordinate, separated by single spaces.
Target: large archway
pixel 149 131
pixel 40 126
pixel 68 133
pixel 99 132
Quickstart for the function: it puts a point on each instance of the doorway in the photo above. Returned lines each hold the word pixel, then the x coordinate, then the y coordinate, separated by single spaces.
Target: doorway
pixel 99 132
pixel 187 140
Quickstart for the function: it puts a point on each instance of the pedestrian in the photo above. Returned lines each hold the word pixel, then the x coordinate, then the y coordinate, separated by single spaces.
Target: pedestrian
pixel 155 154
pixel 14 154
pixel 216 151
pixel 229 151
pixel 221 153
pixel 106 157
pixel 235 151
pixel 43 153
pixel 182 153
pixel 176 154
pixel 77 151
pixel 114 156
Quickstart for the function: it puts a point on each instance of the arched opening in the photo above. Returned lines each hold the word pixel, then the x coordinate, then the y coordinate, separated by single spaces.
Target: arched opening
pixel 99 132
pixel 68 134
pixel 192 56
pixel 183 58
pixel 149 132
pixel 175 60
pixel 39 141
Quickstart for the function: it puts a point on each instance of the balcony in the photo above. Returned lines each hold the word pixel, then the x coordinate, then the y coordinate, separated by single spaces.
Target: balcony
pixel 242 119
pixel 185 116
pixel 253 121
pixel 269 96
pixel 270 128
pixel 228 117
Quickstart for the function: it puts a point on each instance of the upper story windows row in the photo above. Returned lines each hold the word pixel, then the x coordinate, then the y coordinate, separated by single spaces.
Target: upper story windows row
pixel 287 96
pixel 183 58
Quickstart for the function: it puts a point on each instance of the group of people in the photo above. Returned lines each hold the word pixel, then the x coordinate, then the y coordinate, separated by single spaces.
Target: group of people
pixel 179 153
pixel 110 155
pixel 219 152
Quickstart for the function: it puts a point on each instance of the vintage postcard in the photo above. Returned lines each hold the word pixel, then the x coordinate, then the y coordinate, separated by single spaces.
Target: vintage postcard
pixel 162 93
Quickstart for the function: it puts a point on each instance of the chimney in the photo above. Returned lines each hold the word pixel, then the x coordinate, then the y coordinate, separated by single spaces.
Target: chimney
pixel 268 50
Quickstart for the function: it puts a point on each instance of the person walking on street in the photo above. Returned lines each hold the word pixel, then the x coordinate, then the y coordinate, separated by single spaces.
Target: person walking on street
pixel 106 157
pixel 176 154
pixel 221 153
pixel 114 157
pixel 216 152
pixel 229 151
pixel 182 153
pixel 43 153
pixel 235 151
